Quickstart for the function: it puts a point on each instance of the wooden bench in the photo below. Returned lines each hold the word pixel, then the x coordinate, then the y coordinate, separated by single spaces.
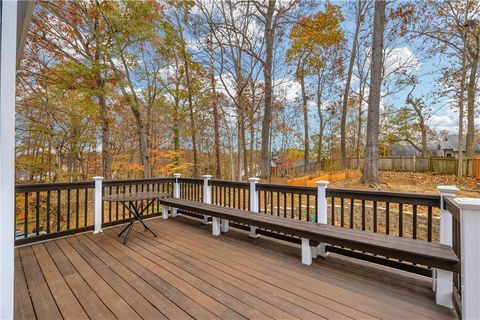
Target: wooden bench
pixel 314 235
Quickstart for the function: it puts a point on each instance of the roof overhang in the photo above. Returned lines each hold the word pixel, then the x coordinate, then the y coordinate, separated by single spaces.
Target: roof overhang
pixel 24 15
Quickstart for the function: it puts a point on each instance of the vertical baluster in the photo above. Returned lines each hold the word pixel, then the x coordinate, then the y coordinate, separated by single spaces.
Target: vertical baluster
pixel 123 208
pixel 271 202
pixel 299 206
pixel 308 207
pixel 48 211
pixel 414 222
pixel 374 216
pixel 244 197
pixel 352 208
pixel 429 225
pixel 284 204
pixel 342 213
pixel 25 221
pixel 59 209
pixel 109 205
pixel 278 203
pixel 116 205
pixel 68 209
pixel 77 208
pixel 229 197
pixel 85 208
pixel 400 220
pixel 363 214
pixel 333 211
pixel 292 205
pixel 265 201
pixel 37 213
pixel 316 207
pixel 387 217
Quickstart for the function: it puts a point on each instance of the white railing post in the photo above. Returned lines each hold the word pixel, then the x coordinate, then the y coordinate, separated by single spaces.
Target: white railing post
pixel 7 156
pixel 207 194
pixel 98 204
pixel 322 213
pixel 176 191
pixel 470 253
pixel 442 280
pixel 253 193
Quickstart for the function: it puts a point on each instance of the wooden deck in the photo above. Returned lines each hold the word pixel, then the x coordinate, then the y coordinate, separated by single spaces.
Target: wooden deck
pixel 186 273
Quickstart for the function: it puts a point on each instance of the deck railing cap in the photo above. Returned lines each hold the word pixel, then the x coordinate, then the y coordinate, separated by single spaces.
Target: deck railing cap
pixel 322 183
pixel 98 178
pixel 472 204
pixel 447 189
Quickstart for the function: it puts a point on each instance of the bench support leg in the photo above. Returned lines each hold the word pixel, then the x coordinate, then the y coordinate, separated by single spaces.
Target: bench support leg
pixel 174 212
pixel 215 226
pixel 444 288
pixel 253 232
pixel 205 220
pixel 165 212
pixel 320 250
pixel 224 225
pixel 306 252
pixel 434 279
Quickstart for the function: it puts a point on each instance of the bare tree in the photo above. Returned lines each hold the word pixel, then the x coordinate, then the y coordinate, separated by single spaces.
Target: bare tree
pixel 360 7
pixel 370 172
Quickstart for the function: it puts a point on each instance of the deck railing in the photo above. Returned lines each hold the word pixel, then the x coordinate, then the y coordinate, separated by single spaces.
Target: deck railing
pixel 45 211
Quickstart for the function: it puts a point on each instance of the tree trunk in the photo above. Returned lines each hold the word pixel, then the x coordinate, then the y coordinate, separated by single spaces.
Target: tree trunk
pixel 343 120
pixel 216 125
pixel 461 101
pixel 104 121
pixel 306 150
pixel 370 172
pixel 267 73
pixel 471 90
pixel 359 129
pixel 193 128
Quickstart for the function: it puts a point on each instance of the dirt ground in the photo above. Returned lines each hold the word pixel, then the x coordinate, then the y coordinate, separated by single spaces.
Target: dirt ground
pixel 410 182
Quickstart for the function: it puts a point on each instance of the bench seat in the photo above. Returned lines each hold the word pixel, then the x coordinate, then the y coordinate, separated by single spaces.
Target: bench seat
pixel 415 251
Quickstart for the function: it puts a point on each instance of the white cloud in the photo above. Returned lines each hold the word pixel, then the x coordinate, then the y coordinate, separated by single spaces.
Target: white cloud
pixel 287 89
pixel 446 121
pixel 401 60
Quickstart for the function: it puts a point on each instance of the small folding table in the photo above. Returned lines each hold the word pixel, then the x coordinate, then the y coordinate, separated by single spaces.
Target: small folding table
pixel 133 202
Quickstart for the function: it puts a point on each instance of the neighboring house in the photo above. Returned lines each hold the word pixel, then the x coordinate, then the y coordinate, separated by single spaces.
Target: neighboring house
pixel 449 146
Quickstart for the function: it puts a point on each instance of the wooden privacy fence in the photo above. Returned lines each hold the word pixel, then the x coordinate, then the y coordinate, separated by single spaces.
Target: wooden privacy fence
pixel 437 165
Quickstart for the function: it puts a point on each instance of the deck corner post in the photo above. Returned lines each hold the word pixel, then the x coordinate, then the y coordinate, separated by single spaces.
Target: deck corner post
pixel 253 194
pixel 470 256
pixel 322 212
pixel 8 59
pixel 98 204
pixel 207 194
pixel 442 278
pixel 176 191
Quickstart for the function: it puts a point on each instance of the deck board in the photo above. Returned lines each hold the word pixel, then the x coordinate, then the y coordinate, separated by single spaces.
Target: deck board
pixel 186 273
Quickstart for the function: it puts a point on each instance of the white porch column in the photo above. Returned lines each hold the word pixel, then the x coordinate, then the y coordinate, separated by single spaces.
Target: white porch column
pixel 176 191
pixel 470 253
pixel 8 61
pixel 253 203
pixel 97 204
pixel 207 194
pixel 322 213
pixel 442 281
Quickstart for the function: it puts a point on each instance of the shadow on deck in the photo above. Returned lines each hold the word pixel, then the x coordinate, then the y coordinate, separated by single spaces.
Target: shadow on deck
pixel 186 273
